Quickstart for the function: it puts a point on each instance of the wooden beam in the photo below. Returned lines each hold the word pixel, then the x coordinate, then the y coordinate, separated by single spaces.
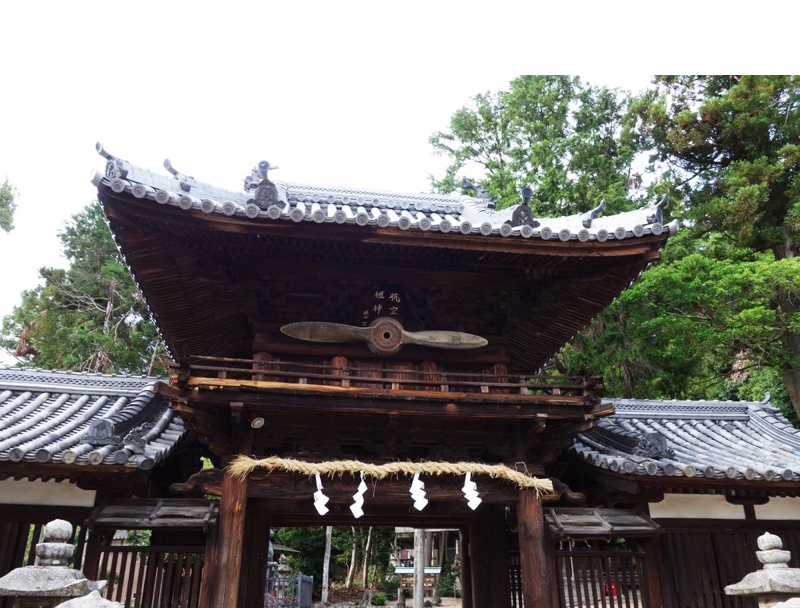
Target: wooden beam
pixel 537 584
pixel 277 486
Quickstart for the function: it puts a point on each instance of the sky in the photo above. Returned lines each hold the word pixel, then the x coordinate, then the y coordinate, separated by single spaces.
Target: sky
pixel 333 93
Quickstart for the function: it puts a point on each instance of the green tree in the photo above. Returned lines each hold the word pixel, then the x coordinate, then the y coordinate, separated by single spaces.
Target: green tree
pixel 7 206
pixel 89 317
pixel 697 326
pixel 348 545
pixel 734 144
pixel 564 138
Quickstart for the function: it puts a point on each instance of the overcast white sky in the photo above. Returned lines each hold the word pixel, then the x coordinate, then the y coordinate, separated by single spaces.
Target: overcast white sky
pixel 338 93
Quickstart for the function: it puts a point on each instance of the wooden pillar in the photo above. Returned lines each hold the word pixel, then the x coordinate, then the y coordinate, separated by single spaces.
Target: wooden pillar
pixel 652 569
pixel 489 559
pixel 340 365
pixel 538 582
pixel 464 550
pixel 222 572
pixel 255 554
pixel 261 364
pixel 94 546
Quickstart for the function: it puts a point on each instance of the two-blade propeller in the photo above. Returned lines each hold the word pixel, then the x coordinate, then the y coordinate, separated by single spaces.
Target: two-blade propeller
pixel 384 336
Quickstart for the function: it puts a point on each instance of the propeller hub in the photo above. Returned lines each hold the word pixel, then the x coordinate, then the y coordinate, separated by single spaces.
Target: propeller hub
pixel 386 336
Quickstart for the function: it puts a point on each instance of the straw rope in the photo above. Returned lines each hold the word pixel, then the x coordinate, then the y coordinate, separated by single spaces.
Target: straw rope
pixel 242 466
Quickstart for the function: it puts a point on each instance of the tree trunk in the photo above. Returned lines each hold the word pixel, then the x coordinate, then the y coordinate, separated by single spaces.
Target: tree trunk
pixel 326 564
pixel 367 549
pixel 419 568
pixel 351 571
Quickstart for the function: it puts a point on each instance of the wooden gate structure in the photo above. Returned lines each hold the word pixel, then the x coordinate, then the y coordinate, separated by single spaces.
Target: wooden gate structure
pixel 348 330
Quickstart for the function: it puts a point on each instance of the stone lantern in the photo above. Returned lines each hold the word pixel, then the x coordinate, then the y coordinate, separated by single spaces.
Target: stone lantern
pixel 51 581
pixel 774 585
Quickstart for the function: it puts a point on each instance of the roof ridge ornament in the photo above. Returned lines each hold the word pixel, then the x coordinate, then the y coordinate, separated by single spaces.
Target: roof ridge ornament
pixel 114 166
pixel 480 192
pixel 658 214
pixel 182 179
pixel 266 193
pixel 523 214
pixel 589 216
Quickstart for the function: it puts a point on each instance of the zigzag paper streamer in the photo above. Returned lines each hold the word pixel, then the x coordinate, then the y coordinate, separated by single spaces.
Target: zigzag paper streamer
pixel 470 490
pixel 417 492
pixel 320 500
pixel 358 499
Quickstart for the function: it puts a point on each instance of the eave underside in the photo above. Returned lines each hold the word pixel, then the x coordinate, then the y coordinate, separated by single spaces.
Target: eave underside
pixel 215 284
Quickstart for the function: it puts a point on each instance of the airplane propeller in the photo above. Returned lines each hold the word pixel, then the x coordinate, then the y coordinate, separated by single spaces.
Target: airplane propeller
pixel 384 336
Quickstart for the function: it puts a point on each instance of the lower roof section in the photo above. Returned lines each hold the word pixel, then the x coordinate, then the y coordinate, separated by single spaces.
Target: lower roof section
pixel 71 419
pixel 685 443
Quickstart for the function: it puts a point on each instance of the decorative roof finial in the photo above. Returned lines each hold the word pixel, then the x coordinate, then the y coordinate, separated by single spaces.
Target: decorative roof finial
pixel 523 215
pixel 183 179
pixel 658 216
pixel 266 192
pixel 480 192
pixel 587 218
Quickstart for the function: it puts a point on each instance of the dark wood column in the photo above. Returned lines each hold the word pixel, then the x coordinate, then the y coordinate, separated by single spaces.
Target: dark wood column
pixel 222 572
pixel 95 542
pixel 652 572
pixel 538 586
pixel 466 568
pixel 489 558
pixel 255 555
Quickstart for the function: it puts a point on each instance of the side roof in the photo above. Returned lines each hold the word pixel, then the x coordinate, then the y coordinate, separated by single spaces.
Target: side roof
pixel 70 418
pixel 743 441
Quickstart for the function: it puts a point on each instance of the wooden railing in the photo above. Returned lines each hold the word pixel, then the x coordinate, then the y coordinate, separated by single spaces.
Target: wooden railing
pixel 426 376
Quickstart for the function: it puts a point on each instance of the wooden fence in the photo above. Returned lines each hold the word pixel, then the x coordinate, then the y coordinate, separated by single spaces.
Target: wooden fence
pixel 152 576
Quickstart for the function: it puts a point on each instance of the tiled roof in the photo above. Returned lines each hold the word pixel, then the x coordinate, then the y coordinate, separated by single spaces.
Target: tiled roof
pixel 77 418
pixel 262 199
pixel 735 440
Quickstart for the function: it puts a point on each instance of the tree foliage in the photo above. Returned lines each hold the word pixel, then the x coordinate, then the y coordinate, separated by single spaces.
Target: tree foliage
pixel 8 206
pixel 89 317
pixel 564 138
pixel 734 141
pixel 348 546
pixel 718 318
pixel 737 141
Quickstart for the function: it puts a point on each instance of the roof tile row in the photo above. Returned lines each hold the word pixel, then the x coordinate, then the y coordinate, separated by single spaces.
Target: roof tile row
pixel 424 212
pixel 77 418
pixel 712 439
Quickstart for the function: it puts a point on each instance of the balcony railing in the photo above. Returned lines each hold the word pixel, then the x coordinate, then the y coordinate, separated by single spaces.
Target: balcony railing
pixel 384 376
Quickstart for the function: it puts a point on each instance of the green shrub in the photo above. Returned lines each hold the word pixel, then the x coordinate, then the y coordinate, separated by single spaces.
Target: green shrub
pixel 379 599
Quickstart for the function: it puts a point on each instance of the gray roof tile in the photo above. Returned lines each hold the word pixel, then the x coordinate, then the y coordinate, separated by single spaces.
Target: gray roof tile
pixel 736 440
pixel 78 418
pixel 336 205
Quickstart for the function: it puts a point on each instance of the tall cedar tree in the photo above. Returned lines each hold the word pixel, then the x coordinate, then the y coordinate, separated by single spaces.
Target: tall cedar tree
pixel 735 143
pixel 560 136
pixel 89 317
